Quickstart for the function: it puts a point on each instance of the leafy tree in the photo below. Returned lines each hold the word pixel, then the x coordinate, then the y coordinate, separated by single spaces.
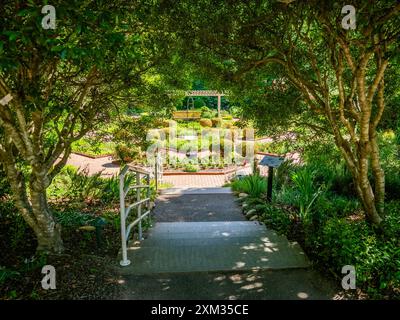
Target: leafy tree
pixel 62 82
pixel 338 74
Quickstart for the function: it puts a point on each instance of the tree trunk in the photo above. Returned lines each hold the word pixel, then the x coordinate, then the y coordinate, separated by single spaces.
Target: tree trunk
pixel 378 173
pixel 362 184
pixel 47 231
pixel 35 211
pixel 366 195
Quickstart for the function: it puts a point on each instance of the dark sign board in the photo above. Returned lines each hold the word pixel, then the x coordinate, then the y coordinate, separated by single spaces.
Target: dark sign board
pixel 271 161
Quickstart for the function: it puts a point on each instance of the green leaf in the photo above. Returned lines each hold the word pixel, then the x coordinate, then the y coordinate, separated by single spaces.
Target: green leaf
pixel 64 54
pixel 12 35
pixel 57 48
pixel 23 12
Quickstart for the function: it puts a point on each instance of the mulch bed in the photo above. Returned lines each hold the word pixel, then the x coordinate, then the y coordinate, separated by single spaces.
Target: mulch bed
pixel 84 271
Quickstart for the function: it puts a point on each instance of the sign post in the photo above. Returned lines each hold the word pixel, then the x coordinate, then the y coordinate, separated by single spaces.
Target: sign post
pixel 271 161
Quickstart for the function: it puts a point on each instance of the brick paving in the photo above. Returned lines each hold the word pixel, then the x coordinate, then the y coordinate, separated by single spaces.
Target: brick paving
pixel 93 166
pixel 200 181
pixel 108 169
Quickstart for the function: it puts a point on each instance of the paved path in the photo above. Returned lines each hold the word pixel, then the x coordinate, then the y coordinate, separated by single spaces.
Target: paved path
pixel 180 205
pixel 108 169
pixel 201 247
pixel 292 284
pixel 200 181
pixel 93 166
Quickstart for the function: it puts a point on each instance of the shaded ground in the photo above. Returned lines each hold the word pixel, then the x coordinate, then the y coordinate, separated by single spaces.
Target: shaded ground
pixel 278 284
pixel 85 270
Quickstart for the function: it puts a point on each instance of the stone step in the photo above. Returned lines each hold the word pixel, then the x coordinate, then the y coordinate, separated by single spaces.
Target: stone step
pixel 234 239
pixel 194 228
pixel 199 236
pixel 175 247
pixel 212 258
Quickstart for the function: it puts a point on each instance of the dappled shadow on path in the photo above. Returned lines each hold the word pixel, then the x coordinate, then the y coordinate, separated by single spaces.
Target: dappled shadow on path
pixel 296 284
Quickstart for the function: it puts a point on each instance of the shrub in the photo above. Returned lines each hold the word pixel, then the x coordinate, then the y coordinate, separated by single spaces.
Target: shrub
pixel 205 122
pixel 199 102
pixel 204 109
pixel 376 260
pixel 207 115
pixel 254 185
pixel 227 124
pixel 71 218
pixel 283 174
pixel 308 193
pixel 216 122
pixel 93 146
pixel 6 274
pixel 276 218
pixel 75 185
pixel 127 154
pixel 191 168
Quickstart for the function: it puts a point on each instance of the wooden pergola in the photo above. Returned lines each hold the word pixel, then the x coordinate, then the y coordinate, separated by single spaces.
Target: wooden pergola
pixel 207 93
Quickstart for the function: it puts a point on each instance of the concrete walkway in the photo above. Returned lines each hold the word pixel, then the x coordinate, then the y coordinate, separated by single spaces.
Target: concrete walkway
pixel 175 247
pixel 201 247
pixel 193 204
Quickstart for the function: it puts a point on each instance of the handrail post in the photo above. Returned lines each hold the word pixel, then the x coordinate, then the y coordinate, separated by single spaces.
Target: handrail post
pixel 148 194
pixel 156 171
pixel 139 209
pixel 124 262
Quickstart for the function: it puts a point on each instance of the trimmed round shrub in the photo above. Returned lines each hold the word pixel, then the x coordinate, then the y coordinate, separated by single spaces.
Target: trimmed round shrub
pixel 216 122
pixel 206 122
pixel 207 115
pixel 126 154
pixel 204 109
pixel 227 124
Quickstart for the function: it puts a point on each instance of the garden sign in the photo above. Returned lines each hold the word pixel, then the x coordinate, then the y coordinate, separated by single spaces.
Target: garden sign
pixel 272 162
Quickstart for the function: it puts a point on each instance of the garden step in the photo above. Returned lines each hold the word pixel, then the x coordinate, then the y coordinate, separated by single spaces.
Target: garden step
pixel 213 246
pixel 201 229
pixel 234 239
pixel 203 226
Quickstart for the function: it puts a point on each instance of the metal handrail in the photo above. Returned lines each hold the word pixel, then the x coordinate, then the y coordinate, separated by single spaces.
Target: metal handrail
pixel 125 210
